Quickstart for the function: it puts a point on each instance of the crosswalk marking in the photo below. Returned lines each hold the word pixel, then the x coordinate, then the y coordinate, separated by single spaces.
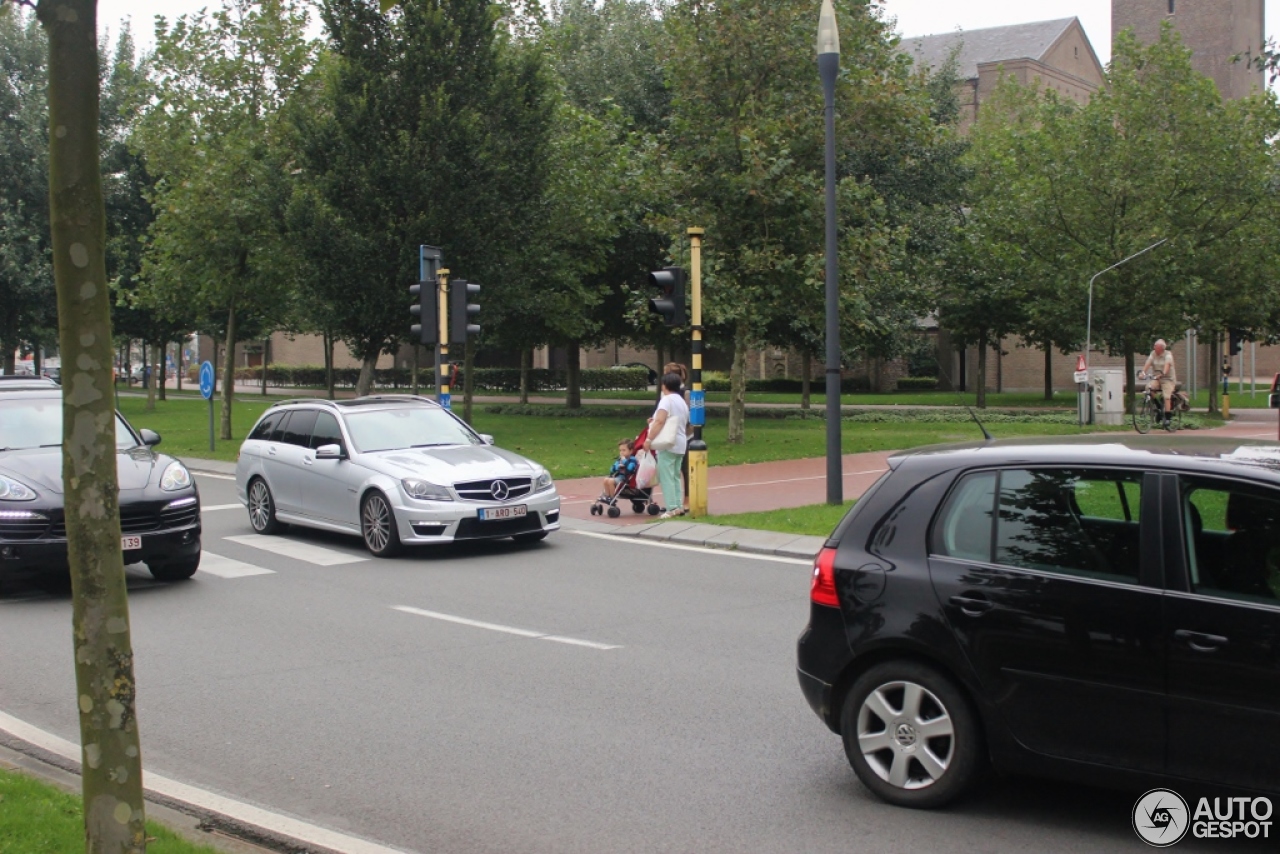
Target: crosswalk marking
pixel 508 630
pixel 299 551
pixel 226 567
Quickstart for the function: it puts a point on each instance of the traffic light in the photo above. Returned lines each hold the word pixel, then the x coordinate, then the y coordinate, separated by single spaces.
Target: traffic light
pixel 1236 340
pixel 670 299
pixel 462 311
pixel 427 328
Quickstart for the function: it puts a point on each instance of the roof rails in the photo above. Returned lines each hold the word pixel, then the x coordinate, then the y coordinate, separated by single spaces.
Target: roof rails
pixel 291 400
pixel 389 398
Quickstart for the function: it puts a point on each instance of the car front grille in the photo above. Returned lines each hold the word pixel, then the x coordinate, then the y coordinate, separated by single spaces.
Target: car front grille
pixel 478 529
pixel 23 529
pixel 482 490
pixel 140 520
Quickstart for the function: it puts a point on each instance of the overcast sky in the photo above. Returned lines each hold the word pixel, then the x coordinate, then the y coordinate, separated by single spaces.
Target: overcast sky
pixel 915 17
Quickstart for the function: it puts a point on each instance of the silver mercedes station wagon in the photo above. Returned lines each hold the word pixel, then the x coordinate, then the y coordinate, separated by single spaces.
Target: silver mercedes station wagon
pixel 395 469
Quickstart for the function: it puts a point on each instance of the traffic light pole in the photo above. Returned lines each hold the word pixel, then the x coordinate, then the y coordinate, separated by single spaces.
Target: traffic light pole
pixel 442 348
pixel 697 397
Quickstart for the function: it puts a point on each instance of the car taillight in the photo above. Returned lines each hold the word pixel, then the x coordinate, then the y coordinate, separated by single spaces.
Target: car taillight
pixel 822 590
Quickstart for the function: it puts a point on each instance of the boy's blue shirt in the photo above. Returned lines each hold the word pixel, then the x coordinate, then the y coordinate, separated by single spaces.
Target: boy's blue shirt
pixel 629 465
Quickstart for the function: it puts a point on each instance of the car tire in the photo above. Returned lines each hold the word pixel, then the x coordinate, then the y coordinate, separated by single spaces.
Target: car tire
pixel 175 570
pixel 533 537
pixel 911 735
pixel 378 526
pixel 262 508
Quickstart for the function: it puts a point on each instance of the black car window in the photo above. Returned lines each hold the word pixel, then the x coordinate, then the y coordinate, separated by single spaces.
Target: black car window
pixel 1072 521
pixel 266 426
pixel 326 431
pixel 1233 539
pixel 298 429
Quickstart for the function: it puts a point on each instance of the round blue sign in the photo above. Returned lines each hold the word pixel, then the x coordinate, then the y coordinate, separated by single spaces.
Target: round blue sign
pixel 206 379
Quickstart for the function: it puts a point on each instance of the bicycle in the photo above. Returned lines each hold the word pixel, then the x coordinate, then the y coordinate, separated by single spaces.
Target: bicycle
pixel 1148 409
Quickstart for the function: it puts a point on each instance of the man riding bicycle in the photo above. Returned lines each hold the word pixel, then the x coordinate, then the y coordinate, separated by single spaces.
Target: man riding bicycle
pixel 1159 368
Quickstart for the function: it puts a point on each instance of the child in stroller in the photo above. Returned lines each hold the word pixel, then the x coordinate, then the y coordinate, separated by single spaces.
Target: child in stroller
pixel 621 483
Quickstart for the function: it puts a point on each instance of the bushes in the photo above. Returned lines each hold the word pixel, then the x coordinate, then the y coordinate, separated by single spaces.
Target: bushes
pixel 486 379
pixel 918 384
pixel 848 385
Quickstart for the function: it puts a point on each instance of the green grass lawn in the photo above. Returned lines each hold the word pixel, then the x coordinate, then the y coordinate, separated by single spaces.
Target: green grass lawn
pixel 584 446
pixel 817 520
pixel 38 818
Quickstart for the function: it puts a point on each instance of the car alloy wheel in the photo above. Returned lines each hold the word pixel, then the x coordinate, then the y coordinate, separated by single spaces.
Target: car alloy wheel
pixel 262 508
pixel 911 736
pixel 378 525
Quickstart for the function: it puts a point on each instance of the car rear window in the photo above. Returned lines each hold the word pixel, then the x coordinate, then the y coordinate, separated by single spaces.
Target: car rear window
pixel 297 430
pixel 1065 520
pixel 266 426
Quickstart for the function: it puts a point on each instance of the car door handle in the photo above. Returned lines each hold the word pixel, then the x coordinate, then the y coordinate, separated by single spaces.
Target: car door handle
pixel 272 450
pixel 1199 641
pixel 974 606
pixel 306 461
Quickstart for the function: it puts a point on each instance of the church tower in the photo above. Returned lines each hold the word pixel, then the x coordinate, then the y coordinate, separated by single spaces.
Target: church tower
pixel 1215 30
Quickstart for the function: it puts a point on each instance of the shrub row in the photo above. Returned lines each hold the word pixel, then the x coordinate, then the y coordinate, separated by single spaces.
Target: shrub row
pixel 848 385
pixel 486 379
pixel 917 384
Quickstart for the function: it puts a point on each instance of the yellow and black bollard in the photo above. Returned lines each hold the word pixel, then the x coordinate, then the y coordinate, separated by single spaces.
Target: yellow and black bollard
pixel 697 397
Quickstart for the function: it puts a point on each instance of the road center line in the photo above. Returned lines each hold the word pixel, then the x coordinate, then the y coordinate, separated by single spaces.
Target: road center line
pixel 718 552
pixel 293 828
pixel 510 630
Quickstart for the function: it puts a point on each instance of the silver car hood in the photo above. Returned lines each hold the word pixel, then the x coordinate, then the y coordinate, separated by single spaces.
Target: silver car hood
pixel 451 464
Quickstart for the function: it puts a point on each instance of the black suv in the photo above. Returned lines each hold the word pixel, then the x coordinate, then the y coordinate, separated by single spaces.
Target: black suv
pixel 159 504
pixel 1104 610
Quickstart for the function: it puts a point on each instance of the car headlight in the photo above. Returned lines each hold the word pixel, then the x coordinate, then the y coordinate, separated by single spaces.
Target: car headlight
pixel 175 477
pixel 542 481
pixel 424 491
pixel 11 490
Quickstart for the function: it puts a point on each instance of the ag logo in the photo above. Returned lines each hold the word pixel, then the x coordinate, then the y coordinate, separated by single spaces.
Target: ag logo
pixel 1160 818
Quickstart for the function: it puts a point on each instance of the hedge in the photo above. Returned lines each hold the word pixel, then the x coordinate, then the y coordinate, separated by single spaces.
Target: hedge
pixel 918 384
pixel 848 385
pixel 486 379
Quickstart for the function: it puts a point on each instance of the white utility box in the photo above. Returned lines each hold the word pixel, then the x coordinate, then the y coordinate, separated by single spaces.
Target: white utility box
pixel 1108 396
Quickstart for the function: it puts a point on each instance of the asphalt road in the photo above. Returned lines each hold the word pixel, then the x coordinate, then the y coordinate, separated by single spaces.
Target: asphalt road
pixel 646 702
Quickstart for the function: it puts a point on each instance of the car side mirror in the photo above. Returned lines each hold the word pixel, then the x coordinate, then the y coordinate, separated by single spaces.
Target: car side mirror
pixel 486 438
pixel 150 438
pixel 330 452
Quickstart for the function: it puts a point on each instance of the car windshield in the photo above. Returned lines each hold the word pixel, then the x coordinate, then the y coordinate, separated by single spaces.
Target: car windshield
pixel 417 427
pixel 37 423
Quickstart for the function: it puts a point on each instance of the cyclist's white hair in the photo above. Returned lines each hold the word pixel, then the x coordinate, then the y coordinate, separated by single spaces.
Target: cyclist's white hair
pixel 1160 342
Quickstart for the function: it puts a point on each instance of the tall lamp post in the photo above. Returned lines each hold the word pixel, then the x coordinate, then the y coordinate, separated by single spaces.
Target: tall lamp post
pixel 828 68
pixel 1088 323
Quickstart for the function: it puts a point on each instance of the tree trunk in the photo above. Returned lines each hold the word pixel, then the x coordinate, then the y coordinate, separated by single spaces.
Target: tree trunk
pixel 328 365
pixel 1214 374
pixel 111 753
pixel 468 372
pixel 573 378
pixel 179 366
pixel 365 383
pixel 1048 371
pixel 229 372
pixel 982 373
pixel 162 369
pixel 738 387
pixel 37 358
pixel 266 344
pixel 10 361
pixel 149 376
pixel 806 378
pixel 415 387
pixel 526 365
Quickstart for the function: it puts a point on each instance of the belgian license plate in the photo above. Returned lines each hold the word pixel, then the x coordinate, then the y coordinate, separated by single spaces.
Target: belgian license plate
pixel 131 543
pixel 515 512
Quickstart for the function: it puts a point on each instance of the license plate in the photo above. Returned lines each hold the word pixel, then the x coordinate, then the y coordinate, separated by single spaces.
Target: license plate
pixel 131 543
pixel 515 512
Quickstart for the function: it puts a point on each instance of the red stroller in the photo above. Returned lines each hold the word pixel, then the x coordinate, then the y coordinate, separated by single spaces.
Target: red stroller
pixel 626 490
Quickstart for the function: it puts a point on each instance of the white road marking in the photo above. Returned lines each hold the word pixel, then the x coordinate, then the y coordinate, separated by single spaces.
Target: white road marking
pixel 510 630
pixel 299 551
pixel 200 474
pixel 293 828
pixel 209 508
pixel 226 567
pixel 719 552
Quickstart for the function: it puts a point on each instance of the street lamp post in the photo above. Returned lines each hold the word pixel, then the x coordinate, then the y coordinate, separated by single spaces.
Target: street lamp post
pixel 1088 327
pixel 828 69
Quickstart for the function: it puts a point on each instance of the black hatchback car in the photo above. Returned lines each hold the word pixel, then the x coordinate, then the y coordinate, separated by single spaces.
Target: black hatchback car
pixel 1104 610
pixel 159 504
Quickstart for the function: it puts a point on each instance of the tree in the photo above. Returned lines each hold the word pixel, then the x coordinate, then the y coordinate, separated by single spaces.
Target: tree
pixel 1155 154
pixel 26 281
pixel 213 140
